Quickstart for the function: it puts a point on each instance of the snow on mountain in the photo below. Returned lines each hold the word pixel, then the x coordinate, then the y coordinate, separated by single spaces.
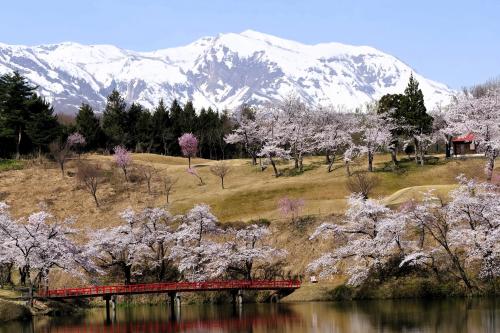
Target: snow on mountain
pixel 222 72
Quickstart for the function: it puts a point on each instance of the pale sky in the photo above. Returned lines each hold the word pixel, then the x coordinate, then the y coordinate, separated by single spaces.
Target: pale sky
pixel 454 42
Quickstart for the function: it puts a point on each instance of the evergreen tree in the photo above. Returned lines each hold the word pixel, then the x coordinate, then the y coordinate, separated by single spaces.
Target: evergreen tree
pixel 176 118
pixel 143 130
pixel 114 120
pixel 134 113
pixel 15 94
pixel 413 109
pixel 87 124
pixel 42 127
pixel 162 129
pixel 415 113
pixel 390 106
pixel 189 118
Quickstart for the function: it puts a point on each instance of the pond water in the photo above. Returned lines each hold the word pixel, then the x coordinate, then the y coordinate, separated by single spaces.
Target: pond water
pixel 456 315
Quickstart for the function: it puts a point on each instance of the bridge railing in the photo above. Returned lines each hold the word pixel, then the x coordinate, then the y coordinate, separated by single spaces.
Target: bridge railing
pixel 94 291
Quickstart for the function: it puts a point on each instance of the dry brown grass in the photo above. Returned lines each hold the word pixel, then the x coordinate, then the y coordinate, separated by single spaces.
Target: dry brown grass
pixel 249 194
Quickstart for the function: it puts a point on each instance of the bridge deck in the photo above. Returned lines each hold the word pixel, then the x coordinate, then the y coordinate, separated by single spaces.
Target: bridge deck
pixel 98 291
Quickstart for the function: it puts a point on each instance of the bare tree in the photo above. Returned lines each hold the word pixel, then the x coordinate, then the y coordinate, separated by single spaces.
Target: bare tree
pixel 362 183
pixel 60 152
pixel 168 185
pixel 148 172
pixel 221 170
pixel 90 175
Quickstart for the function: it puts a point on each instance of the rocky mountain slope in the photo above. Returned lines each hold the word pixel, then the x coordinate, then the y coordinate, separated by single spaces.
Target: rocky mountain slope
pixel 223 72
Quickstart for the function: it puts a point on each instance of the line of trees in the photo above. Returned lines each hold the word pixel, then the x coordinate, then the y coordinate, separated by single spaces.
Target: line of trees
pixel 29 124
pixel 150 245
pixel 289 130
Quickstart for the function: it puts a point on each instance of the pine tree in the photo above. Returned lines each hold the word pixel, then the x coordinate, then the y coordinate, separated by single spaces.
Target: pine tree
pixel 415 113
pixel 162 129
pixel 114 120
pixel 413 108
pixel 42 127
pixel 87 124
pixel 390 106
pixel 143 130
pixel 15 93
pixel 176 117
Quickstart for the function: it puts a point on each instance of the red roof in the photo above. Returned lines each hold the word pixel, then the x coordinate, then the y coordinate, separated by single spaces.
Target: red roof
pixel 464 138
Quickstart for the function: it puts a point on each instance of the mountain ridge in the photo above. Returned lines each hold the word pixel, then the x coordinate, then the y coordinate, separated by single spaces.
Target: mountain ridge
pixel 223 72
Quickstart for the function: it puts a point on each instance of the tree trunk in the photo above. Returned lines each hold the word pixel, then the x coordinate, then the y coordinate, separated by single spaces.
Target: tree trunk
pixel 490 165
pixel 95 199
pixel 254 159
pixel 448 146
pixel 222 182
pixel 394 154
pixel 276 173
pixel 330 163
pixel 348 169
pixel 327 158
pixel 416 150
pixel 18 143
pixel 128 273
pixel 189 162
pixel 370 161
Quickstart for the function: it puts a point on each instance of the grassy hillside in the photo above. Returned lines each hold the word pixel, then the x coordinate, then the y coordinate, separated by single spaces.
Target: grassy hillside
pixel 249 194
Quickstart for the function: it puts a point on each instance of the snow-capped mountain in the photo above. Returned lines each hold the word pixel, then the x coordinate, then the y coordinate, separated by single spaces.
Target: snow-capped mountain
pixel 223 72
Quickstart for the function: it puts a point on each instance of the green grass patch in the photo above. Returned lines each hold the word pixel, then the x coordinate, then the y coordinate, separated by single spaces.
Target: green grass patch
pixel 6 165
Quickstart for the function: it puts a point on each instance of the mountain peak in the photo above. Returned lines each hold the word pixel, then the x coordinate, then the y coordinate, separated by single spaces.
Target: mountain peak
pixel 223 72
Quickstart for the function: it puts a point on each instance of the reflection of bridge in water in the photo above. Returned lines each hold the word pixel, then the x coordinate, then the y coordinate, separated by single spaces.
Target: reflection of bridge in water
pixel 172 289
pixel 230 324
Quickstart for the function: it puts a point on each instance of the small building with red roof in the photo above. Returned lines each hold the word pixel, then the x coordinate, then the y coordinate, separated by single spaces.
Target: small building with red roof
pixel 464 145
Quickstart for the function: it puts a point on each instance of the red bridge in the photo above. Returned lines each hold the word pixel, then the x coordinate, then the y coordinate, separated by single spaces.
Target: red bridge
pixel 172 289
pixel 169 287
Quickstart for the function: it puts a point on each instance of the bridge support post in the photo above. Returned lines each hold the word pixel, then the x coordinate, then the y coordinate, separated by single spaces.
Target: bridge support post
pixel 239 298
pixel 107 298
pixel 174 300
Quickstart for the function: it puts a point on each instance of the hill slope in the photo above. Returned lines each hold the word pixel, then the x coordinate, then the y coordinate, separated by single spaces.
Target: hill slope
pixel 249 194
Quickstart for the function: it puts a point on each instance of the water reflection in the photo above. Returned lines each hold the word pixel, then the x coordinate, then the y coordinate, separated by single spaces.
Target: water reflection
pixel 458 315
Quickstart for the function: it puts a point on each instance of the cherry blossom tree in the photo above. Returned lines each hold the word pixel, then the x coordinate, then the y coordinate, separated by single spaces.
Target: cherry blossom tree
pixel 290 207
pixel 159 238
pixel 60 151
pixel 189 146
pixel 197 257
pixel 123 159
pixel 334 136
pixel 76 141
pixel 462 233
pixel 350 155
pixel 249 251
pixel 274 139
pixel 375 135
pixel 370 235
pixel 90 176
pixel 168 185
pixel 297 129
pixel 248 132
pixel 193 172
pixel 122 247
pixel 39 244
pixel 479 115
pixel 221 170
